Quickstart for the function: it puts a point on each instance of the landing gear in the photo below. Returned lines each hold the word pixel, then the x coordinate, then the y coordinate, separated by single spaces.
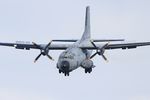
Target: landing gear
pixel 59 71
pixel 66 73
pixel 88 70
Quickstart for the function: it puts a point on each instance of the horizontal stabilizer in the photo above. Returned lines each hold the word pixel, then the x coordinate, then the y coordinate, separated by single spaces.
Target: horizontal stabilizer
pixel 94 40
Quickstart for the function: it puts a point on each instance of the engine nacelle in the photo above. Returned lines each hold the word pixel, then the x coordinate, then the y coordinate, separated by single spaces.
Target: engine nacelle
pixel 87 64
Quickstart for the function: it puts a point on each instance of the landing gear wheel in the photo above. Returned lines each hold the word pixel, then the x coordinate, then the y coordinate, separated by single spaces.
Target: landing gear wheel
pixel 88 70
pixel 66 73
pixel 59 71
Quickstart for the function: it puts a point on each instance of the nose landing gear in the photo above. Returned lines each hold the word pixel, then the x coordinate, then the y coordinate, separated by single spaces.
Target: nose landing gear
pixel 60 71
pixel 65 73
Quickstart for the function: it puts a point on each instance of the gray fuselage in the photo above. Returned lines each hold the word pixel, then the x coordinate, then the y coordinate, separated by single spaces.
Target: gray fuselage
pixel 73 57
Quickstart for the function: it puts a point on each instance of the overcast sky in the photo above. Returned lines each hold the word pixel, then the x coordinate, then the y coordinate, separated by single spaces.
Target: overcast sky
pixel 125 77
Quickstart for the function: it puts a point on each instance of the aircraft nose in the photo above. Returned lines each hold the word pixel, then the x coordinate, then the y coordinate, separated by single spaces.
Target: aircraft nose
pixel 65 66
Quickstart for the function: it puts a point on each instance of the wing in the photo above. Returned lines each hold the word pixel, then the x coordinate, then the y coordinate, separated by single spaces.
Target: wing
pixel 28 46
pixel 94 40
pixel 127 45
pixel 114 46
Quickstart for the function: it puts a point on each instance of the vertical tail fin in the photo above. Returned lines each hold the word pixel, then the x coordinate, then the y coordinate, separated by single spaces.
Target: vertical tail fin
pixel 87 30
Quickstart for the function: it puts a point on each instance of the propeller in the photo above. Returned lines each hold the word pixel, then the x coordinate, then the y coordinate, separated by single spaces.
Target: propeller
pixel 44 51
pixel 100 51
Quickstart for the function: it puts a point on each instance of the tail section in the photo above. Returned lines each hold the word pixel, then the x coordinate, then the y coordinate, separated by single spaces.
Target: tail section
pixel 87 30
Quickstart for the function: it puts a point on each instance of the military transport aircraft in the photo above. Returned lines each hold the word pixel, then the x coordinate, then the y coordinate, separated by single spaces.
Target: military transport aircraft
pixel 78 54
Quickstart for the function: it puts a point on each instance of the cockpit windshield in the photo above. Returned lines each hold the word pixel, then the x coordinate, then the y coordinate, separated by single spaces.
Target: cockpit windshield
pixel 67 55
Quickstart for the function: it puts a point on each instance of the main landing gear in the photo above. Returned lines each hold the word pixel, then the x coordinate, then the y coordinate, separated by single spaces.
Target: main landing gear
pixel 88 70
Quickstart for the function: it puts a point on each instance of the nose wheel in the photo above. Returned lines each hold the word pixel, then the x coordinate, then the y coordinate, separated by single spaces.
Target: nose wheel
pixel 60 71
pixel 65 73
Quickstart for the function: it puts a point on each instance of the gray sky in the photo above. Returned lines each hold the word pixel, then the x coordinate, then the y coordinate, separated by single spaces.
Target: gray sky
pixel 125 77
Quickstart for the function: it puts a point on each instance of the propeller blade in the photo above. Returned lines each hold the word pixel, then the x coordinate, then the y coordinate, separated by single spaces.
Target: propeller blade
pixel 93 55
pixel 104 58
pixel 93 44
pixel 48 44
pixel 105 45
pixel 44 51
pixel 50 57
pixel 36 45
pixel 37 57
pixel 99 51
